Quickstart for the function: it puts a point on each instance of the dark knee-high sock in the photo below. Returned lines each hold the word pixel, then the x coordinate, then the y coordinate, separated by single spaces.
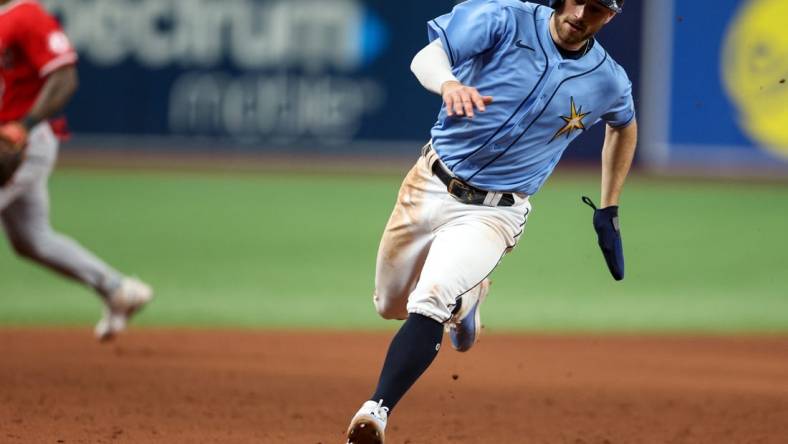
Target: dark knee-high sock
pixel 412 350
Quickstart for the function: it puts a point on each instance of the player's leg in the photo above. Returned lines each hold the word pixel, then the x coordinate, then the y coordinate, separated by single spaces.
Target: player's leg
pixel 25 219
pixel 411 351
pixel 406 251
pixel 465 325
pixel 401 255
pixel 27 226
pixel 405 242
pixel 460 257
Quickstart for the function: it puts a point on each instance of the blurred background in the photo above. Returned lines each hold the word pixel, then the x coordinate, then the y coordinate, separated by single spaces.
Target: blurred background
pixel 243 157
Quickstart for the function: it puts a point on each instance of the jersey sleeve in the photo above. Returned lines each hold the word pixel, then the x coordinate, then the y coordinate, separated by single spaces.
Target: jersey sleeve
pixel 44 43
pixel 471 28
pixel 622 113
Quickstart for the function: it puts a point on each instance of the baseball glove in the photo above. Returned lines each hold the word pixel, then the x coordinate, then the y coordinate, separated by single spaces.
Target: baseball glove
pixel 13 139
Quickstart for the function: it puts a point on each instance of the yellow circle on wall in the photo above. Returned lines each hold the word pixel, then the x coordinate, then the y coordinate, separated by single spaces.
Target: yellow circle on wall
pixel 755 71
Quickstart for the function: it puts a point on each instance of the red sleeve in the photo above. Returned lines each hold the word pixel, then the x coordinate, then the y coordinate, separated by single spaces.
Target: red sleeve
pixel 45 44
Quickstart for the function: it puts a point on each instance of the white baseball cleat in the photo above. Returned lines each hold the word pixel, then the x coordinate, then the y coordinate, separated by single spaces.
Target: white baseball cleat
pixel 121 305
pixel 466 325
pixel 369 424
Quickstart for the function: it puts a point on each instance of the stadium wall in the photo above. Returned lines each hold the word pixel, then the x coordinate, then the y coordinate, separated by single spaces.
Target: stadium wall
pixel 287 76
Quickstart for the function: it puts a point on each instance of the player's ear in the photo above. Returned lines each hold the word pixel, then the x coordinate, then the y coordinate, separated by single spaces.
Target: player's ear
pixel 610 16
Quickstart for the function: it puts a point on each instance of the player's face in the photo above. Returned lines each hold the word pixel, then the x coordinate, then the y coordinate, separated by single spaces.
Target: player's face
pixel 579 20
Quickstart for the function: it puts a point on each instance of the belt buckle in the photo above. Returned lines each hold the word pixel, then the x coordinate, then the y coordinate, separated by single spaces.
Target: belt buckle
pixel 460 190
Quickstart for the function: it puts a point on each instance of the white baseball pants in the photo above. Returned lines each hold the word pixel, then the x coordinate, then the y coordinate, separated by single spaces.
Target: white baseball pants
pixel 435 249
pixel 24 211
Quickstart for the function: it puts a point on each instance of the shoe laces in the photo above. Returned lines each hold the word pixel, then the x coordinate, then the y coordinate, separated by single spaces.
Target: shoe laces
pixel 380 411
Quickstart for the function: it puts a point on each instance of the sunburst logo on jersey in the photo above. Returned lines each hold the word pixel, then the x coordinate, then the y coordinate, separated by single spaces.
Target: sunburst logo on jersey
pixel 574 121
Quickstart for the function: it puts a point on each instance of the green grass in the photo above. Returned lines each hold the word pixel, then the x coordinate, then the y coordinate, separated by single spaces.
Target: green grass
pixel 298 251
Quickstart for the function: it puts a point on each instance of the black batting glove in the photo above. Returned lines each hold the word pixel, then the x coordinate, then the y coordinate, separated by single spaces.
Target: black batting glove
pixel 609 237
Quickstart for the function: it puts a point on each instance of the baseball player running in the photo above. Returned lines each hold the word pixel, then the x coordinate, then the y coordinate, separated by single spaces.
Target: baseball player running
pixel 38 78
pixel 519 82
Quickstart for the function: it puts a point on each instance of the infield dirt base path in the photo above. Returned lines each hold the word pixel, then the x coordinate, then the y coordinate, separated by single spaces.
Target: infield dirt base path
pixel 183 386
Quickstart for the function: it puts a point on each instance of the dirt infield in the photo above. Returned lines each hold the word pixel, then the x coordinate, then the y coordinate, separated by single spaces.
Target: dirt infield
pixel 180 386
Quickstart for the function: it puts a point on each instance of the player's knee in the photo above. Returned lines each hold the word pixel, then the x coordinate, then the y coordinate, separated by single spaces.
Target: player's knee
pixel 27 245
pixel 391 313
pixel 389 308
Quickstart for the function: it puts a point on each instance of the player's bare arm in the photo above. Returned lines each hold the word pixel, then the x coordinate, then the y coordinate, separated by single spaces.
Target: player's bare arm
pixel 57 91
pixel 55 94
pixel 617 154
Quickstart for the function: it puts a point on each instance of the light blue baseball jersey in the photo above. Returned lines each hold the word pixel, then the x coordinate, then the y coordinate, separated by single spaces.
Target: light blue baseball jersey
pixel 541 100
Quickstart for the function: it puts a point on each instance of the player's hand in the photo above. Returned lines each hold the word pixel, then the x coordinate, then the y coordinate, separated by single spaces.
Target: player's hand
pixel 12 153
pixel 15 134
pixel 460 100
pixel 609 237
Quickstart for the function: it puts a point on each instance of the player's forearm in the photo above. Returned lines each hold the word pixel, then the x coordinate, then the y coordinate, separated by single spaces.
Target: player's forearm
pixel 617 155
pixel 55 94
pixel 432 67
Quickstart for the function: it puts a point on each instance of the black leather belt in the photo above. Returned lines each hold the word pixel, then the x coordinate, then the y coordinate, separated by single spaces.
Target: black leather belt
pixel 465 192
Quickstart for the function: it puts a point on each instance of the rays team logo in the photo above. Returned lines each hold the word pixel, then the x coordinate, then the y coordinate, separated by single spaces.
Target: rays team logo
pixel 755 68
pixel 574 121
